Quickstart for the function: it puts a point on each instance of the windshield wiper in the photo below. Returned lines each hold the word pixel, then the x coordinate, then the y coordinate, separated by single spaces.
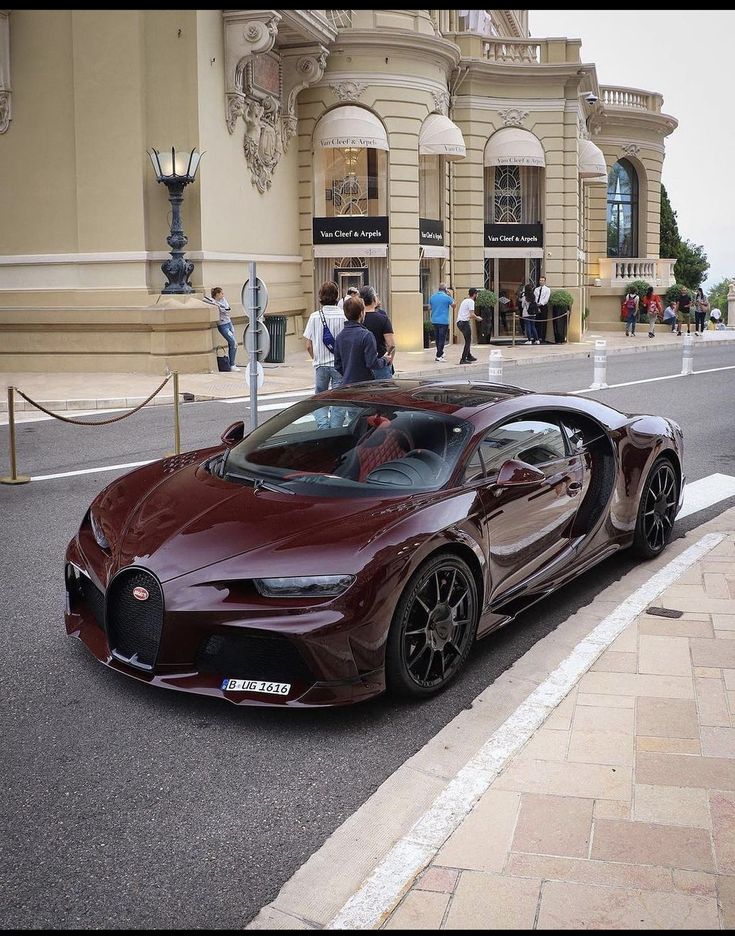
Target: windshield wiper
pixel 260 484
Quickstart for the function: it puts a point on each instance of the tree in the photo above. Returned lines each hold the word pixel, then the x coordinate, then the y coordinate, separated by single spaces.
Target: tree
pixel 691 260
pixel 691 265
pixel 670 239
pixel 718 296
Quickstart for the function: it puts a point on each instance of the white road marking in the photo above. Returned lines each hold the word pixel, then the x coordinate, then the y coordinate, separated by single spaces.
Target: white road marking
pixel 82 471
pixel 706 492
pixel 378 895
pixel 634 383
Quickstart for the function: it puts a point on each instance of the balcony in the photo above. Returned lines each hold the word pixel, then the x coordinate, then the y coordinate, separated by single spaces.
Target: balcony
pixel 618 272
pixel 631 99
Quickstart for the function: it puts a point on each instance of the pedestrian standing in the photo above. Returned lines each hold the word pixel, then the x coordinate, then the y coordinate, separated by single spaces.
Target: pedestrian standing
pixel 465 313
pixel 224 326
pixel 701 311
pixel 440 303
pixel 652 305
pixel 685 308
pixel 381 326
pixel 630 306
pixel 326 374
pixel 504 305
pixel 356 353
pixel 529 309
pixel 541 294
pixel 352 291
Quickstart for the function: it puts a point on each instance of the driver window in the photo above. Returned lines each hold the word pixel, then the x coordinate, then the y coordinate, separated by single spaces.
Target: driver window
pixel 533 440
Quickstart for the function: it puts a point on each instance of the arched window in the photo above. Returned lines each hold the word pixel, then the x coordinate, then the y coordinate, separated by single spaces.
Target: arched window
pixel 622 210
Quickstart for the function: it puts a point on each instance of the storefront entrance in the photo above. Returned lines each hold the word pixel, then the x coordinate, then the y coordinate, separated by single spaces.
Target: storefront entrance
pixel 506 277
pixel 357 277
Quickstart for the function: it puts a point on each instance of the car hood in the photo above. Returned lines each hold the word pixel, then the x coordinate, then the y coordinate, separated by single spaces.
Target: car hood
pixel 190 519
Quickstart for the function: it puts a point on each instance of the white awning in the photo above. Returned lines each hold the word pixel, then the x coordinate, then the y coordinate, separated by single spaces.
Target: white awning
pixel 441 137
pixel 350 126
pixel 513 146
pixel 431 252
pixel 350 250
pixel 592 165
pixel 499 252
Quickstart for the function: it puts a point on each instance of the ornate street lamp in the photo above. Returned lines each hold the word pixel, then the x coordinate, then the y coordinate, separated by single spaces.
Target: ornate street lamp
pixel 176 171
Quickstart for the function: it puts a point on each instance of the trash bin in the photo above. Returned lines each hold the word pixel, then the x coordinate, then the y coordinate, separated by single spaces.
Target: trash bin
pixel 276 325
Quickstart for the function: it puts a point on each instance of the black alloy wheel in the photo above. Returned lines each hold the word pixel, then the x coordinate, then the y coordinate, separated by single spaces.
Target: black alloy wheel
pixel 433 627
pixel 657 510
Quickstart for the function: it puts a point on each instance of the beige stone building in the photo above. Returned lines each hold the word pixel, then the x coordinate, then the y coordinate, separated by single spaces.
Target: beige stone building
pixel 399 147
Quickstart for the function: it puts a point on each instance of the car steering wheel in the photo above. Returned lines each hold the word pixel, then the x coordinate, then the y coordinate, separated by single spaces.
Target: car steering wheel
pixel 435 463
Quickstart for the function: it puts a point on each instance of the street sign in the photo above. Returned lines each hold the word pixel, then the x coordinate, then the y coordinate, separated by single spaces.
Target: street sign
pixel 246 297
pixel 259 372
pixel 257 340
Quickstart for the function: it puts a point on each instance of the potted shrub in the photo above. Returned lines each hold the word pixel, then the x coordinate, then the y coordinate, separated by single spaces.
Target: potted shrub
pixel 485 302
pixel 561 301
pixel 428 333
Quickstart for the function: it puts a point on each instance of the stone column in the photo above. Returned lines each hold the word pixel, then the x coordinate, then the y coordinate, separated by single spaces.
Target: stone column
pixel 731 306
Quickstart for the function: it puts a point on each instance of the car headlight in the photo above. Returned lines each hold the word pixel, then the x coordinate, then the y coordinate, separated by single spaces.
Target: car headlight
pixel 304 586
pixel 99 536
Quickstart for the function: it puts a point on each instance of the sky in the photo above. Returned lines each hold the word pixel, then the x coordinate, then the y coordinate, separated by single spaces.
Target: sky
pixel 689 57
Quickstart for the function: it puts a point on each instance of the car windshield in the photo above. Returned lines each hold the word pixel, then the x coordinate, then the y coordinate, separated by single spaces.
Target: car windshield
pixel 353 448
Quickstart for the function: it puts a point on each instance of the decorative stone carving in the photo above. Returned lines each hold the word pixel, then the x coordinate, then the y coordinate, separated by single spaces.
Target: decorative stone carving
pixel 5 93
pixel 263 81
pixel 513 116
pixel 632 149
pixel 348 90
pixel 441 102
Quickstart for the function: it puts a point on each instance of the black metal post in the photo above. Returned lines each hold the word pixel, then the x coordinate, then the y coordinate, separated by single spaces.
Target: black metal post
pixel 176 269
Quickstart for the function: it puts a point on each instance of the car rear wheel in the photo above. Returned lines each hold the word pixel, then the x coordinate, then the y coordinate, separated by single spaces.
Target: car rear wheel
pixel 433 627
pixel 657 510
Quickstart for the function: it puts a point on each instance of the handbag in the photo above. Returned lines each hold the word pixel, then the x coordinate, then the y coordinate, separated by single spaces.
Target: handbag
pixel 327 336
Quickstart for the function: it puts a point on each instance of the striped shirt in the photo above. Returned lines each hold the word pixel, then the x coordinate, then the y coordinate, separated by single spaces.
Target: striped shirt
pixel 335 318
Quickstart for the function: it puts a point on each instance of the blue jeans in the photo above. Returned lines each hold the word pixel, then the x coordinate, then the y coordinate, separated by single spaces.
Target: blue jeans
pixel 531 333
pixel 630 321
pixel 228 333
pixel 333 416
pixel 440 335
pixel 383 373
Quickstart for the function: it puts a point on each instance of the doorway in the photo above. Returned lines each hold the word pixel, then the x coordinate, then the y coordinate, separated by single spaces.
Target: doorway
pixel 506 277
pixel 353 276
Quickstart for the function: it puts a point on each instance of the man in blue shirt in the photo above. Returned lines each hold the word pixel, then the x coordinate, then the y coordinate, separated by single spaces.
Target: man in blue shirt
pixel 355 352
pixel 441 302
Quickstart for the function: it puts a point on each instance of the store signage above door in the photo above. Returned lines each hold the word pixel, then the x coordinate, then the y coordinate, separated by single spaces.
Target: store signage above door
pixel 350 230
pixel 431 233
pixel 514 235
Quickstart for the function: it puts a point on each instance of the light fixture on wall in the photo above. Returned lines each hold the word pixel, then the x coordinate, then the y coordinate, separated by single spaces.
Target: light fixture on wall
pixel 176 171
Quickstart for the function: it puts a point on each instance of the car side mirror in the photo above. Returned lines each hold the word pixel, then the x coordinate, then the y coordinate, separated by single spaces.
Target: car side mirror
pixel 515 472
pixel 234 433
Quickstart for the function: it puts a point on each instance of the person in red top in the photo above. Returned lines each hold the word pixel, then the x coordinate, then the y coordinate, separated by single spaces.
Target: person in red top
pixel 654 308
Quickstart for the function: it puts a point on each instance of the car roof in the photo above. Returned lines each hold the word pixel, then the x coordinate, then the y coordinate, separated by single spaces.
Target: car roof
pixel 453 397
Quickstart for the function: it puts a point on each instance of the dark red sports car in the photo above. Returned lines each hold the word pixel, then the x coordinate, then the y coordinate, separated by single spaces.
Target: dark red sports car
pixel 362 539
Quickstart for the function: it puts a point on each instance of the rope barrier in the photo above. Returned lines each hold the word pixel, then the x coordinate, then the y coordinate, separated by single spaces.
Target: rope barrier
pixel 96 422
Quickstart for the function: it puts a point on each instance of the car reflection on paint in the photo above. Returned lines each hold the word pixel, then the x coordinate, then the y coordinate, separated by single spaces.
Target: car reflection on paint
pixel 362 539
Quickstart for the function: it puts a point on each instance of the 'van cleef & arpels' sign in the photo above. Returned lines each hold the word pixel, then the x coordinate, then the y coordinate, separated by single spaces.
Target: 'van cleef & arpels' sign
pixel 514 235
pixel 350 230
pixel 431 233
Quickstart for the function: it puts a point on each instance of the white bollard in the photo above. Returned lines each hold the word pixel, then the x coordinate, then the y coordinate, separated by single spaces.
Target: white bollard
pixel 495 367
pixel 687 361
pixel 600 376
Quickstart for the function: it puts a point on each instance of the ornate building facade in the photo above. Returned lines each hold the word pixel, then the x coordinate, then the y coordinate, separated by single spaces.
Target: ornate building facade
pixel 396 147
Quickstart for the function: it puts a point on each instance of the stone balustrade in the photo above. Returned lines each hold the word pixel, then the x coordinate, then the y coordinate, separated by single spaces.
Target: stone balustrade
pixel 621 271
pixel 631 99
pixel 511 51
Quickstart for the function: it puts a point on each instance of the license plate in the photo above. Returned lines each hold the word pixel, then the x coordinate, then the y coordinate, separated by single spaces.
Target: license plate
pixel 255 685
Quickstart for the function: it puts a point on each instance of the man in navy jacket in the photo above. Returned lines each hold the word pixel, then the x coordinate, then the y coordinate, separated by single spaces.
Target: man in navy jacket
pixel 355 352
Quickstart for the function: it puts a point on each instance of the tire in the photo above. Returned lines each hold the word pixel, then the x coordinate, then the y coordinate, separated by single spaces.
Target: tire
pixel 656 511
pixel 433 627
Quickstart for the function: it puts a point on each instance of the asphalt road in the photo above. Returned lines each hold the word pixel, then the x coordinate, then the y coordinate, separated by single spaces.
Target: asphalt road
pixel 131 807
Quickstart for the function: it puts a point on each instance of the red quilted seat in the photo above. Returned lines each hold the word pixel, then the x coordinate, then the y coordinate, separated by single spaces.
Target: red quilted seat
pixel 381 446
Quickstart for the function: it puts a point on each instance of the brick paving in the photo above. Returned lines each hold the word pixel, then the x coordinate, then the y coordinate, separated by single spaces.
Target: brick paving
pixel 619 812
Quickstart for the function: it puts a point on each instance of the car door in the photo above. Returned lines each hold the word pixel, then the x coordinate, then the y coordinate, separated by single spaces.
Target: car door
pixel 527 526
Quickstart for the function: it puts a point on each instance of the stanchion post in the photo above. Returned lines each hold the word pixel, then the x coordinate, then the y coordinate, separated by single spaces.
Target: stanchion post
pixel 14 477
pixel 687 361
pixel 177 424
pixel 495 367
pixel 513 339
pixel 600 376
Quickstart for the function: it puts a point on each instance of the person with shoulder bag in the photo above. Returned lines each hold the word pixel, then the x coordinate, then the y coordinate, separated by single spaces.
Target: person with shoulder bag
pixel 630 306
pixel 652 305
pixel 321 331
pixel 701 311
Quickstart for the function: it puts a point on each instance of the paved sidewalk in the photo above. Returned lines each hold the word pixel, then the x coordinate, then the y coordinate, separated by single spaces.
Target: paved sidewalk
pixel 619 812
pixel 67 391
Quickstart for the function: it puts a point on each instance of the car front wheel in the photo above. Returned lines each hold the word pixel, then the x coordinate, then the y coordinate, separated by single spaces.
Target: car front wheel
pixel 433 627
pixel 657 510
